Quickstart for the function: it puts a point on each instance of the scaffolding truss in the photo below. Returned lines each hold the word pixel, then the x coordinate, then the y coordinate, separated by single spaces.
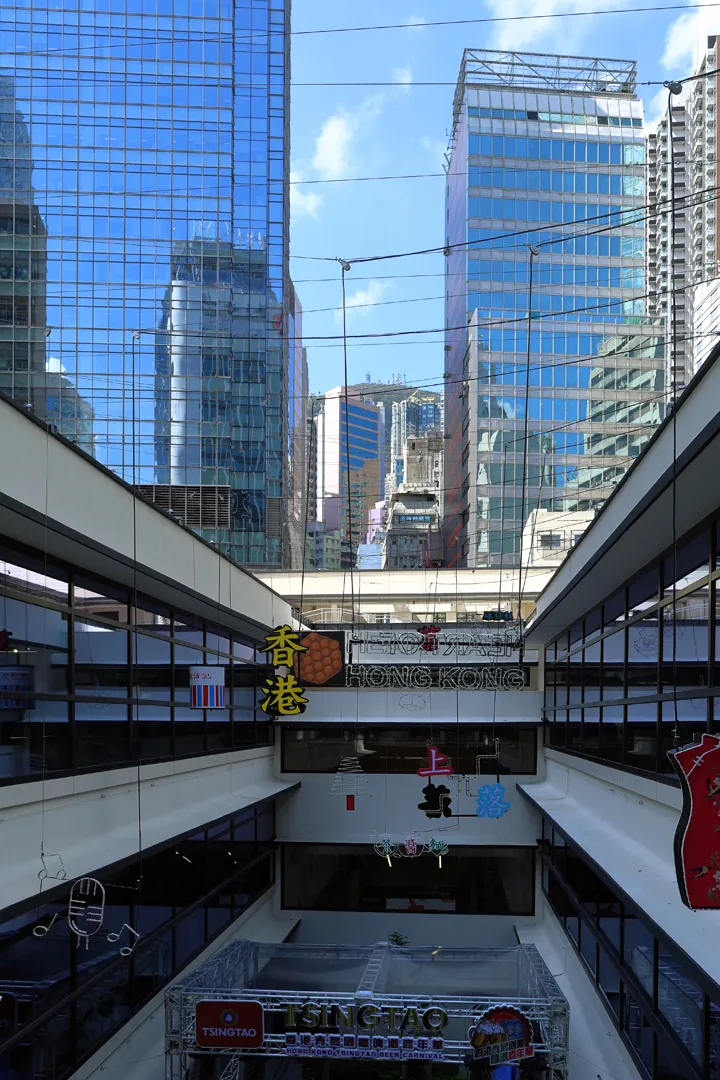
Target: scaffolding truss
pixel 499 70
pixel 464 983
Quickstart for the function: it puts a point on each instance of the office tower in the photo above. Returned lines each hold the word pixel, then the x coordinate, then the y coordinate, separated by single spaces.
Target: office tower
pixel 159 143
pixel 415 415
pixel 359 426
pixel 545 196
pixel 667 239
pixel 298 469
pixel 684 261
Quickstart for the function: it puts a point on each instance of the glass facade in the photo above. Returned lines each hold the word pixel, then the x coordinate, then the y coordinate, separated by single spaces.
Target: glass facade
pixel 144 297
pixel 61 1002
pixel 93 675
pixel 611 677
pixel 545 226
pixel 502 750
pixel 667 1011
pixel 352 877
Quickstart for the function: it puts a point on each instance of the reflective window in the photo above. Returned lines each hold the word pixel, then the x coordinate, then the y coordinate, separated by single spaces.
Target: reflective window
pixel 649 639
pixel 339 877
pixel 500 751
pixel 82 687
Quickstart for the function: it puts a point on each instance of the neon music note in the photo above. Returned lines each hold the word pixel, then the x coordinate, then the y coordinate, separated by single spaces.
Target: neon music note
pixel 41 931
pixel 116 937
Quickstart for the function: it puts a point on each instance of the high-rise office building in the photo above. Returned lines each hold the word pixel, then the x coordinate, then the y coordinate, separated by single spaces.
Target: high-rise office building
pixel 159 140
pixel 347 491
pixel 415 415
pixel 683 249
pixel 545 213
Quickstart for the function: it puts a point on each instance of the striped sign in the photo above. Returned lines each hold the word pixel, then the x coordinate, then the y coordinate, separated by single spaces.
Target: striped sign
pixel 207 687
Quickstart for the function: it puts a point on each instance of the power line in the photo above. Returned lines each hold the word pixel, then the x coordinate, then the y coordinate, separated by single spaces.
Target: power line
pixel 503 19
pixel 535 230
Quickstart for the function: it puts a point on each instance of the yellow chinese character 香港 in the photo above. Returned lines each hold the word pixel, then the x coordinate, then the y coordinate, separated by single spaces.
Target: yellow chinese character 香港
pixel 282 643
pixel 284 695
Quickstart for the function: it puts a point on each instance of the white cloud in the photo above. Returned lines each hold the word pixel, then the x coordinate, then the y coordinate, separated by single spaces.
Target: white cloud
pixel 303 202
pixel 559 33
pixel 54 364
pixel 364 299
pixel 416 22
pixel 682 37
pixel 403 76
pixel 332 146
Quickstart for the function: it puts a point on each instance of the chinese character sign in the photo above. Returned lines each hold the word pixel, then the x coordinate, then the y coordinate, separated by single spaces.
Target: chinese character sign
pixel 438 764
pixel 283 696
pixel 283 692
pixel 429 635
pixel 207 687
pixel 697 837
pixel 282 644
pixel 491 801
pixel 437 801
pixel 500 1034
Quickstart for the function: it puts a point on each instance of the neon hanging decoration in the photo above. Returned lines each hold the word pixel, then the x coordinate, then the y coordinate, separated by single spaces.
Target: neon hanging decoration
pixel 697 837
pixel 491 801
pixel 84 918
pixel 349 779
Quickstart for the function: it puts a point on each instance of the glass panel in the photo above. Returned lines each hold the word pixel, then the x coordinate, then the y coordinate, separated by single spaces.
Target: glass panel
pixel 353 878
pixel 33 575
pixel 34 661
pixel 680 1000
pixel 638 1031
pixel 641 736
pixel 489 751
pixel 609 980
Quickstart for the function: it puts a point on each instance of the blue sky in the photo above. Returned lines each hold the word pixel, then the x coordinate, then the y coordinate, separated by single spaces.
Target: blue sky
pixel 354 131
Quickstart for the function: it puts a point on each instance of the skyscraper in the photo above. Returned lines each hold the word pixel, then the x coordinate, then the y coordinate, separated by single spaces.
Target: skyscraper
pixel 159 142
pixel 417 414
pixel 684 261
pixel 545 225
pixel 347 491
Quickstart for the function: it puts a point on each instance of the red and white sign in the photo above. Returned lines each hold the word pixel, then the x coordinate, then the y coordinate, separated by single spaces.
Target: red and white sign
pixel 697 837
pixel 235 1025
pixel 207 687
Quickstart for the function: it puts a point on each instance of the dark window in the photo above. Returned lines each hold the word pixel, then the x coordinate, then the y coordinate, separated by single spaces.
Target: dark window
pixel 471 881
pixel 500 751
pixel 190 890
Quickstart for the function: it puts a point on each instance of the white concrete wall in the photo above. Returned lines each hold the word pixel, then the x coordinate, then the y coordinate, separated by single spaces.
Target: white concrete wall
pixel 92 820
pixel 389 804
pixel 407 706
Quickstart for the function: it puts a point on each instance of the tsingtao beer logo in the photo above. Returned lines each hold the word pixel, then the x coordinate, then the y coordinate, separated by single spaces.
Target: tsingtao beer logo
pixel 234 1024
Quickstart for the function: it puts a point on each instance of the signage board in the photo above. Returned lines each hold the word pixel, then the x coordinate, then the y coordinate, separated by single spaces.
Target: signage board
pixel 236 1025
pixel 697 850
pixel 207 687
pixel 415 677
pixel 16 680
pixel 384 1048
pixel 468 644
pixel 501 1034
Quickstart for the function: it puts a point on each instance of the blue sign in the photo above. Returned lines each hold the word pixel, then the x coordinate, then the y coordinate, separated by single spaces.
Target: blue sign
pixel 491 801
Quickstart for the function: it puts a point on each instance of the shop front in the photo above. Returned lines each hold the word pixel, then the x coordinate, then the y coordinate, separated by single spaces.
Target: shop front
pixel 343 1013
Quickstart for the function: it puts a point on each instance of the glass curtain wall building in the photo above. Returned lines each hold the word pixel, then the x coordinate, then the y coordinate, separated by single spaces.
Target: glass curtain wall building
pixel 143 247
pixel 545 225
